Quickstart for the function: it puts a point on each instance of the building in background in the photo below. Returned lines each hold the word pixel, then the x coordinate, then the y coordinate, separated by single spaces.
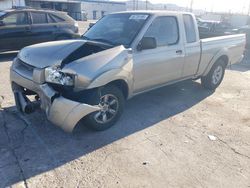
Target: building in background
pixel 235 20
pixel 80 9
pixel 147 5
pixel 7 4
pixel 98 9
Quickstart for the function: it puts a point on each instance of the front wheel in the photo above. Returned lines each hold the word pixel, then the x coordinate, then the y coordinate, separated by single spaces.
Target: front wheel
pixel 110 99
pixel 215 76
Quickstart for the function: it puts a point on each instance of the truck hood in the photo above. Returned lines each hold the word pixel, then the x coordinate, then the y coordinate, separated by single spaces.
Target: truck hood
pixel 59 53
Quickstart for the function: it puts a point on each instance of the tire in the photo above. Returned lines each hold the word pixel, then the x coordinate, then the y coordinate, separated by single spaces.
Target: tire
pixel 112 101
pixel 215 76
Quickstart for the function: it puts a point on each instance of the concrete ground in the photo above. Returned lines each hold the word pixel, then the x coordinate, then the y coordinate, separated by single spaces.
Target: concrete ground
pixel 162 140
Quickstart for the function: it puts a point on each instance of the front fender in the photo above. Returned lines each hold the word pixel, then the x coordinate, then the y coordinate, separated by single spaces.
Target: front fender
pixel 124 73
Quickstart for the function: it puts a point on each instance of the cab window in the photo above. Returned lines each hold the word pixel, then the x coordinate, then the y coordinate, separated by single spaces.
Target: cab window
pixel 50 19
pixel 189 28
pixel 57 19
pixel 165 30
pixel 16 19
pixel 54 19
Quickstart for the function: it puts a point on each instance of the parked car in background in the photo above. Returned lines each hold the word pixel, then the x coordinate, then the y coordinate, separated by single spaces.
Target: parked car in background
pixel 246 30
pixel 26 26
pixel 214 28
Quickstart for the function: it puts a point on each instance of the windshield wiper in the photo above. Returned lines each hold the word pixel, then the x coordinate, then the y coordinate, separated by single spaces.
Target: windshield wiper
pixel 100 40
pixel 105 41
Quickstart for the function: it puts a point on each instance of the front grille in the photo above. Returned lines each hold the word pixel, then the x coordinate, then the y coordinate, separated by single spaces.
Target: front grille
pixel 23 68
pixel 25 65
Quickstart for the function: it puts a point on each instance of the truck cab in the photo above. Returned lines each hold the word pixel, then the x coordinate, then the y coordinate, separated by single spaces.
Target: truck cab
pixel 176 52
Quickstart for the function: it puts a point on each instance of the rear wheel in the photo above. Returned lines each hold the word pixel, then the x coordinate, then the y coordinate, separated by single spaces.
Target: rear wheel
pixel 215 76
pixel 110 99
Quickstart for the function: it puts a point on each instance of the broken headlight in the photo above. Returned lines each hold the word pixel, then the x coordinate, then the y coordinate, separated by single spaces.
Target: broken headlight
pixel 56 76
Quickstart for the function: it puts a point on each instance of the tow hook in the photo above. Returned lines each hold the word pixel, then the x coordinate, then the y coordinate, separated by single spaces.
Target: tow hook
pixel 24 104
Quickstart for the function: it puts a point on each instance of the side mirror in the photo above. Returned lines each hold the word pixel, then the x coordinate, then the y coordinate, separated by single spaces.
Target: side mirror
pixel 1 23
pixel 147 43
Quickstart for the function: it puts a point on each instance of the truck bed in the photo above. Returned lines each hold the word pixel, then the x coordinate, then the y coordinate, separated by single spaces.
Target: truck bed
pixel 233 45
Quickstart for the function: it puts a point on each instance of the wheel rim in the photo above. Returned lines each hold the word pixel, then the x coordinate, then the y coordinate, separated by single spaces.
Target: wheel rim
pixel 217 75
pixel 108 109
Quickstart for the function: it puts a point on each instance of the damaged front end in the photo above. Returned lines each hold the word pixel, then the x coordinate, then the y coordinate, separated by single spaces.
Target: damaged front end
pixel 61 82
pixel 60 111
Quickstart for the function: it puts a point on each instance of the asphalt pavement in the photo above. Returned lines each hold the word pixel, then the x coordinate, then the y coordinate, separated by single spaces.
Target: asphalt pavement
pixel 177 136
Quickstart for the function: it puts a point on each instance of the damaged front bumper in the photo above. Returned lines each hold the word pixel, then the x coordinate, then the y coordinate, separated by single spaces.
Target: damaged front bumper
pixel 60 111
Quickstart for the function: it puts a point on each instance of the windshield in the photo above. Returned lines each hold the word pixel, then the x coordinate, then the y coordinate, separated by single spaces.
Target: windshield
pixel 117 29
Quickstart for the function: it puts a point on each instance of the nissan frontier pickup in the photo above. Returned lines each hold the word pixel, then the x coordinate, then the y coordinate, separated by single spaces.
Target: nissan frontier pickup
pixel 122 55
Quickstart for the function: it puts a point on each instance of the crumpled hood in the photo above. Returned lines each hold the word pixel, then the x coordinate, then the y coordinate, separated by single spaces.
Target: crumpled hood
pixel 49 53
pixel 86 59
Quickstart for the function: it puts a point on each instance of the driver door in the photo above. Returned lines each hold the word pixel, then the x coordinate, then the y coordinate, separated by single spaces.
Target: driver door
pixel 155 67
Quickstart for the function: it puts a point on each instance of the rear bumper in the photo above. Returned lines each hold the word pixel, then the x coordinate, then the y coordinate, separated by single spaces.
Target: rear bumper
pixel 60 111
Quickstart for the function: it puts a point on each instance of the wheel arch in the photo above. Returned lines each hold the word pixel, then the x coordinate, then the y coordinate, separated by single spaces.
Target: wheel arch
pixel 222 55
pixel 118 77
pixel 224 58
pixel 122 85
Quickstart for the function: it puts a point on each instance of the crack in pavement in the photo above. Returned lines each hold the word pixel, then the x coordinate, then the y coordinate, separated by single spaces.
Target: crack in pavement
pixel 233 149
pixel 41 142
pixel 13 150
pixel 38 138
pixel 106 157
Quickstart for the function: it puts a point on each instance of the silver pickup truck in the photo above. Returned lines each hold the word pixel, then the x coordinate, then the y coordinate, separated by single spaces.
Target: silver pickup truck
pixel 122 55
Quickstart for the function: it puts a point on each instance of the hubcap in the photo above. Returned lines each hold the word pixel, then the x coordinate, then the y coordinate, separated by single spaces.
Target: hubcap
pixel 108 109
pixel 217 75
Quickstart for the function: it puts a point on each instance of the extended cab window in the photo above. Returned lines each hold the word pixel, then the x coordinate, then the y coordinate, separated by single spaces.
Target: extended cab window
pixel 16 19
pixel 164 30
pixel 38 18
pixel 189 28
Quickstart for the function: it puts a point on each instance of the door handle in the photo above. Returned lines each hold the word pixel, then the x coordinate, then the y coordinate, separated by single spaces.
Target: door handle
pixel 179 52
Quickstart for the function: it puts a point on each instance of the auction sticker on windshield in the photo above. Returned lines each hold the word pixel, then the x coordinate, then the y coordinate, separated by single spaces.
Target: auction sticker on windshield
pixel 138 17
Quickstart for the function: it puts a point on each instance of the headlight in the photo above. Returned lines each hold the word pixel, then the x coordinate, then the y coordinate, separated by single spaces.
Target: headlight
pixel 56 76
